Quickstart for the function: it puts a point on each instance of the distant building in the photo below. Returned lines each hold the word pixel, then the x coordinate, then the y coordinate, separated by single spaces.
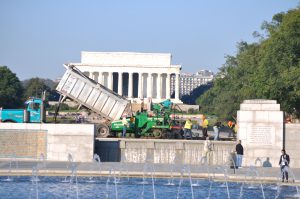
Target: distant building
pixel 189 82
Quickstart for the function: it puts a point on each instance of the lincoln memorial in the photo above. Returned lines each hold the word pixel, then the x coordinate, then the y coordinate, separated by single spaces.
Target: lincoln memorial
pixel 133 75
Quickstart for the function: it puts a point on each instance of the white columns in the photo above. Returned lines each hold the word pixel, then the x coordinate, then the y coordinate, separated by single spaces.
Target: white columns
pixel 168 86
pixel 130 89
pixel 158 86
pixel 177 86
pixel 140 90
pixel 92 75
pixel 100 78
pixel 120 83
pixel 149 85
pixel 110 81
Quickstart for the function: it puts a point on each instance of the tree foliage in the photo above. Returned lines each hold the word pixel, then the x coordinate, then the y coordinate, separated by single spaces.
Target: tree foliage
pixel 191 99
pixel 11 90
pixel 35 87
pixel 268 69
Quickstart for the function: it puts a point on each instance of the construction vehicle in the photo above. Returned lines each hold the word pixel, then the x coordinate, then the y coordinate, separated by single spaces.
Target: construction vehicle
pixel 110 106
pixel 156 123
pixel 103 104
pixel 33 113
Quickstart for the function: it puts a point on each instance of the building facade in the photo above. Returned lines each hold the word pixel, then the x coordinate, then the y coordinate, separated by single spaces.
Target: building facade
pixel 188 82
pixel 133 75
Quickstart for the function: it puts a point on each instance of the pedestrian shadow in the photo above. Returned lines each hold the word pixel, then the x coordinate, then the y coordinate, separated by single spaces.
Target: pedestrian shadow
pixel 267 163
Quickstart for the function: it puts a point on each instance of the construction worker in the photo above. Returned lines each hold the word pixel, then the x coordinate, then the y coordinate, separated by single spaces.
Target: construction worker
pixel 167 104
pixel 125 124
pixel 187 129
pixel 231 126
pixel 204 126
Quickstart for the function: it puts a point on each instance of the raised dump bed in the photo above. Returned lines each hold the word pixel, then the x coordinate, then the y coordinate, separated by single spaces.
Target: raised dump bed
pixel 95 97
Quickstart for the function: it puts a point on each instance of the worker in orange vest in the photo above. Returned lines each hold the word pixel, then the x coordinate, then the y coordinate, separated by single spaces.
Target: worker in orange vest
pixel 231 126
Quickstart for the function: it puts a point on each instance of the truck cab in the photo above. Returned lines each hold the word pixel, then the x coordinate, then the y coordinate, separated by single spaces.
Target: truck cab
pixel 33 113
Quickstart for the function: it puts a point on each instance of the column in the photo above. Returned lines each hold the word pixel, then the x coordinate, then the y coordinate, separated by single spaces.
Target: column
pixel 120 83
pixel 130 89
pixel 100 78
pixel 140 90
pixel 158 86
pixel 177 86
pixel 110 81
pixel 92 75
pixel 168 86
pixel 149 85
pixel 88 74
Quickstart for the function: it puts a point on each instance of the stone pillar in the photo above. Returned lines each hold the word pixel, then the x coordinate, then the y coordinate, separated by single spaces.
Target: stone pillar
pixel 177 86
pixel 149 85
pixel 110 81
pixel 260 128
pixel 120 83
pixel 100 78
pixel 130 89
pixel 90 74
pixel 140 89
pixel 168 86
pixel 158 86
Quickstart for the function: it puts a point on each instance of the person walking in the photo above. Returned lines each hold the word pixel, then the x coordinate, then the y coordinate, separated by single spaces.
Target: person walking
pixel 216 128
pixel 204 126
pixel 239 154
pixel 187 129
pixel 207 149
pixel 125 124
pixel 284 162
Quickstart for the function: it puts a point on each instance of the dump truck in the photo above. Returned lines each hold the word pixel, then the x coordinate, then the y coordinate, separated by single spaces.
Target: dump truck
pixel 33 113
pixel 96 98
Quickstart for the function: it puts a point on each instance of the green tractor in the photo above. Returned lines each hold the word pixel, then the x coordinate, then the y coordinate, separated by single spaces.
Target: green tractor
pixel 154 124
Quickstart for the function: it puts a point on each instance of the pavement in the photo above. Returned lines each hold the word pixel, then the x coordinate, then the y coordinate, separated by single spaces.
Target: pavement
pixel 218 173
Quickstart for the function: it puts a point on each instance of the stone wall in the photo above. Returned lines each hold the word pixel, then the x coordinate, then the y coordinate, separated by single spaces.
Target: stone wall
pixel 164 151
pixel 260 128
pixel 292 144
pixel 54 141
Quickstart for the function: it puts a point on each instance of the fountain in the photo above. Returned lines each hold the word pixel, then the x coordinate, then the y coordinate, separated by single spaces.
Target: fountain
pixel 179 184
pixel 12 159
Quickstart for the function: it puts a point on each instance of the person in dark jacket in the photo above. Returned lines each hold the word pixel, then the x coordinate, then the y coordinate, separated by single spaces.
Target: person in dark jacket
pixel 239 154
pixel 284 162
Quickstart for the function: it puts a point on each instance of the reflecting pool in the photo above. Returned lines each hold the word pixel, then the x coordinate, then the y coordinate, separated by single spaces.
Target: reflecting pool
pixel 123 188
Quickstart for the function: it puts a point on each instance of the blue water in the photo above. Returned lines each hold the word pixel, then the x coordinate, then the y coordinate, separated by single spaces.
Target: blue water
pixel 132 188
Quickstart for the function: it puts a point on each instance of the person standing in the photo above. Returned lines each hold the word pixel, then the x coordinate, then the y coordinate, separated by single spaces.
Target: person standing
pixel 204 126
pixel 207 149
pixel 239 154
pixel 231 126
pixel 187 129
pixel 216 128
pixel 284 162
pixel 125 124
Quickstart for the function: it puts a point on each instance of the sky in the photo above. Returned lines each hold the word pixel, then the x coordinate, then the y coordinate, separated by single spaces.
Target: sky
pixel 38 36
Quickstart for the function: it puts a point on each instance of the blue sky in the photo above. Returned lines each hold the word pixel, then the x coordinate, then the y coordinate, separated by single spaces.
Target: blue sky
pixel 38 36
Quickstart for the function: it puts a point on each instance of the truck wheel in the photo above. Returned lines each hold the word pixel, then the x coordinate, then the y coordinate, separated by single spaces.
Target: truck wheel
pixel 102 131
pixel 157 133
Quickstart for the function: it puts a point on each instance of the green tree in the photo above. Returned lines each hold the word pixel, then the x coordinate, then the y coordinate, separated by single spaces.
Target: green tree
pixel 35 87
pixel 267 69
pixel 11 89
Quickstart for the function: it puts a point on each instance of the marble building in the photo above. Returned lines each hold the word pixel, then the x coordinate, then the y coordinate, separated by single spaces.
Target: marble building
pixel 133 75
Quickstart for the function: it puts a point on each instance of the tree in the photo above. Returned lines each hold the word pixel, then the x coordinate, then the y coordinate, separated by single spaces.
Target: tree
pixel 11 89
pixel 268 69
pixel 35 87
pixel 191 99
